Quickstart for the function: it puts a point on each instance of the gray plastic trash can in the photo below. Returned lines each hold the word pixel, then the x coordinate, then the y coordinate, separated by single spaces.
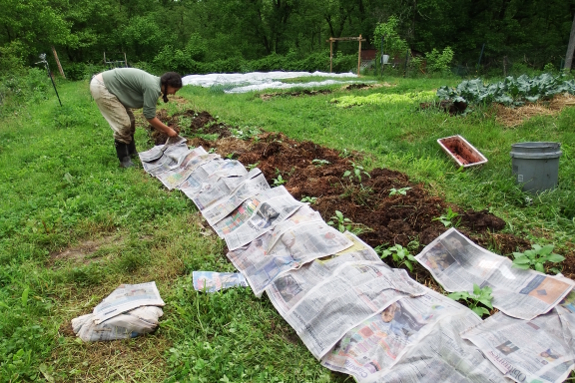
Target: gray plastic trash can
pixel 536 165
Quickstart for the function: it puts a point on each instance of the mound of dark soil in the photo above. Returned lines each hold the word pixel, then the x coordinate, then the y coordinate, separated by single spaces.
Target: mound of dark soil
pixel 384 205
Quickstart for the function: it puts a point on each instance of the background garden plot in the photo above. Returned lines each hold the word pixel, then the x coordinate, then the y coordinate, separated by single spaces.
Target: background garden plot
pixel 255 81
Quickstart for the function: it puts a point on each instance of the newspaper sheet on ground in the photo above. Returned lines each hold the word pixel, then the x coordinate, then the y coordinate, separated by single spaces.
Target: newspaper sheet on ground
pixel 266 257
pixel 374 346
pixel 186 163
pixel 141 320
pixel 442 356
pixel 226 174
pixel 290 287
pixel 253 185
pixel 158 151
pixel 210 281
pixel 266 216
pixel 170 158
pixel 536 350
pixel 203 169
pixel 457 263
pixel 125 298
pixel 355 292
pixel 245 211
pixel 213 195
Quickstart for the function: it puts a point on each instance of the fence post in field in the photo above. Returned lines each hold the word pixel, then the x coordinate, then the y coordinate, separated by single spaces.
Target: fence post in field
pixel 570 48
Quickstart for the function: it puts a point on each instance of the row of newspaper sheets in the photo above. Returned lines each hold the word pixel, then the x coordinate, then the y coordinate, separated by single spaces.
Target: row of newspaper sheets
pixel 359 316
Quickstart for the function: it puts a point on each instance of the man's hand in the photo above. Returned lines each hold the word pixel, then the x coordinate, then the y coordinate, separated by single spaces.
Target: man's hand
pixel 171 132
pixel 156 123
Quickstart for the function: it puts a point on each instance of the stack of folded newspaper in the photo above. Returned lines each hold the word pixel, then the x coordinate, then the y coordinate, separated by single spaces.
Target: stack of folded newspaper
pixel 361 317
pixel 130 310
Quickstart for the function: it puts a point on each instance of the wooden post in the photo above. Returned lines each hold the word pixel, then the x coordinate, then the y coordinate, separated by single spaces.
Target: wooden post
pixel 58 62
pixel 125 60
pixel 570 48
pixel 332 39
pixel 359 56
pixel 330 55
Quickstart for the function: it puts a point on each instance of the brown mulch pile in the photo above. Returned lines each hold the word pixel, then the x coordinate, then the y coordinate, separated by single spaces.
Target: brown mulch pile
pixel 512 117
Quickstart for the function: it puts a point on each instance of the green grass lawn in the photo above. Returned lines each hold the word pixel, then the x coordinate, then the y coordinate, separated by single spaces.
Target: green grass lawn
pixel 62 190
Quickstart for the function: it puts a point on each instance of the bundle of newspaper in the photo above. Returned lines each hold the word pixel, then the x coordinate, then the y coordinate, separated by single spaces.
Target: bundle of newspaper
pixel 130 310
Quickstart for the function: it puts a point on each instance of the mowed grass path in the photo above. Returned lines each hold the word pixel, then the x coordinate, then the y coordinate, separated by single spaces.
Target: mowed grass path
pixel 74 226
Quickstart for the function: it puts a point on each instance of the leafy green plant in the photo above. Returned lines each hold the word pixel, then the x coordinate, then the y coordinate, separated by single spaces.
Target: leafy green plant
pixel 252 166
pixel 511 91
pixel 344 152
pixel 245 133
pixel 393 43
pixel 399 254
pixel 536 258
pixel 310 200
pixel 402 191
pixel 439 62
pixel 340 222
pixel 448 218
pixel 479 295
pixel 383 99
pixel 356 172
pixel 279 180
pixel 318 162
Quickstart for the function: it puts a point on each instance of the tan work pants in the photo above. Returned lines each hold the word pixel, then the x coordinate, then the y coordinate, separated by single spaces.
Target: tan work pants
pixel 120 118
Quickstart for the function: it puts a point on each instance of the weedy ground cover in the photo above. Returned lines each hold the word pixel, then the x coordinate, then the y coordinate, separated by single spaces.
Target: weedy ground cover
pixel 74 226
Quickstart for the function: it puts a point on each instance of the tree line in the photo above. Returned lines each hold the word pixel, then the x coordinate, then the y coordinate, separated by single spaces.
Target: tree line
pixel 534 32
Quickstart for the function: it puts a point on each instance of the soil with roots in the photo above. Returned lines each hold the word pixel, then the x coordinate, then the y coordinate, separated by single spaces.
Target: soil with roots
pixel 384 206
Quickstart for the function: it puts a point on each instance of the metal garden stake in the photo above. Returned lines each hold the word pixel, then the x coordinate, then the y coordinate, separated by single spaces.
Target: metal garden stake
pixel 43 61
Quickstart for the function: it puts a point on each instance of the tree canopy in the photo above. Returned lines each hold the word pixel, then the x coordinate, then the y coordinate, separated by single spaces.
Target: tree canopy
pixel 206 30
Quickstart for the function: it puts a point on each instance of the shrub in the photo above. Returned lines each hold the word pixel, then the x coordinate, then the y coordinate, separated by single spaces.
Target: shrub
pixel 439 62
pixel 393 43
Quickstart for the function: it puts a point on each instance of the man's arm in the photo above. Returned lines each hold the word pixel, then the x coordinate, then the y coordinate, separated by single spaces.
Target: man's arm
pixel 156 123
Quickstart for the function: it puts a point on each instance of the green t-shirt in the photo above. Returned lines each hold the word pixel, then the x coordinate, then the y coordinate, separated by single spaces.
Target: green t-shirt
pixel 134 88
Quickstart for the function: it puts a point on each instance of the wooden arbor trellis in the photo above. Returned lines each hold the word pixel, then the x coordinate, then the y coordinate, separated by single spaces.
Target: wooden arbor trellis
pixel 331 41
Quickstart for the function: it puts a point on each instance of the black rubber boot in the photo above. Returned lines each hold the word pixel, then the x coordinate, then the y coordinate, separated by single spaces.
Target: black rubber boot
pixel 123 155
pixel 132 148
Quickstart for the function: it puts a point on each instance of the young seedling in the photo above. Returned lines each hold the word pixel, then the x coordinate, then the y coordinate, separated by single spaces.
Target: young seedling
pixel 253 166
pixel 402 191
pixel 448 218
pixel 317 162
pixel 246 133
pixel 344 153
pixel 536 258
pixel 212 150
pixel 279 180
pixel 310 200
pixel 340 222
pixel 231 156
pixel 472 301
pixel 357 172
pixel 399 254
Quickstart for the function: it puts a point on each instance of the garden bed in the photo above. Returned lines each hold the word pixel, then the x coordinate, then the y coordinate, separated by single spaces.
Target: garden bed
pixel 386 208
